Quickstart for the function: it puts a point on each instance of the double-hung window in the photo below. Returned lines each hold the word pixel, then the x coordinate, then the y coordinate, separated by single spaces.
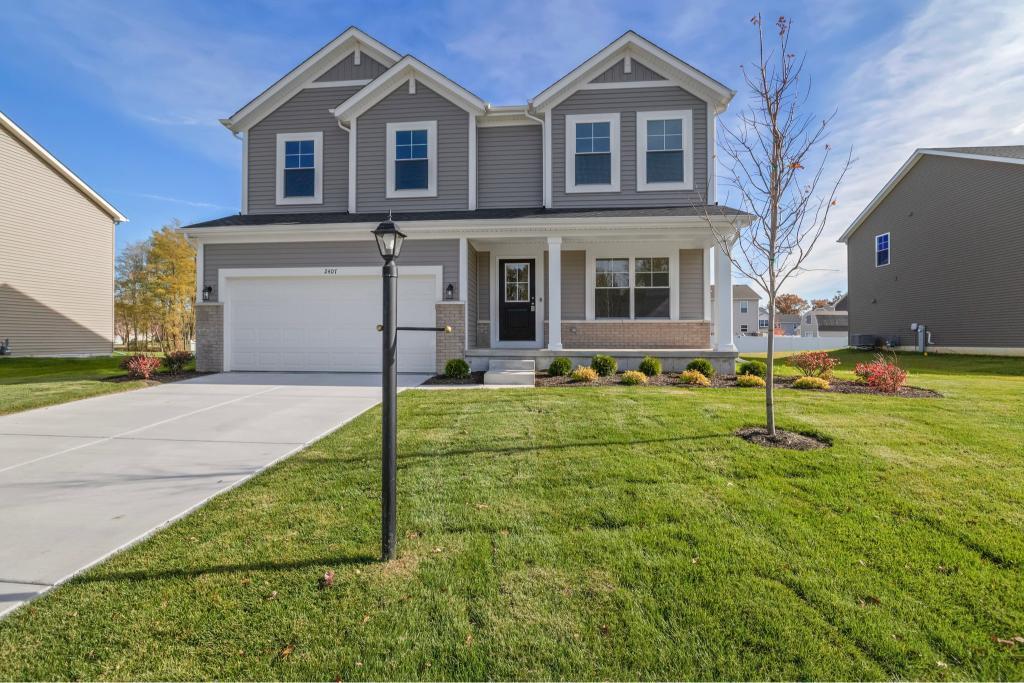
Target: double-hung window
pixel 632 287
pixel 411 159
pixel 611 288
pixel 664 150
pixel 300 168
pixel 651 287
pixel 592 153
pixel 743 307
pixel 882 250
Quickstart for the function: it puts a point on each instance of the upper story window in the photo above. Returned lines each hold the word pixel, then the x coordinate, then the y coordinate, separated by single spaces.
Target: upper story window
pixel 743 307
pixel 592 153
pixel 664 150
pixel 632 287
pixel 300 168
pixel 882 250
pixel 411 159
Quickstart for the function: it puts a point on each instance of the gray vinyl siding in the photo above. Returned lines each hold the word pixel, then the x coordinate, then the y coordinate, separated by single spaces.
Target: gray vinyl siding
pixel 574 284
pixel 483 280
pixel 691 284
pixel 510 166
pixel 956 240
pixel 617 73
pixel 452 151
pixel 473 293
pixel 443 253
pixel 346 69
pixel 627 102
pixel 306 112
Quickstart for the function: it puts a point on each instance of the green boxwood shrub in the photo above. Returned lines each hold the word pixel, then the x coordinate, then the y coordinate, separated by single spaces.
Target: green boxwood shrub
pixel 633 377
pixel 650 366
pixel 703 366
pixel 560 367
pixel 753 367
pixel 456 368
pixel 604 365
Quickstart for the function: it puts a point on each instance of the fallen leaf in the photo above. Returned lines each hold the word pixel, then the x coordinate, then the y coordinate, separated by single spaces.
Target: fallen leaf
pixel 869 600
pixel 272 596
pixel 327 580
pixel 604 629
pixel 695 560
pixel 359 663
pixel 438 549
pixel 286 651
pixel 1018 639
pixel 246 582
pixel 941 664
pixel 366 618
pixel 1012 641
pixel 483 506
pixel 412 534
pixel 469 639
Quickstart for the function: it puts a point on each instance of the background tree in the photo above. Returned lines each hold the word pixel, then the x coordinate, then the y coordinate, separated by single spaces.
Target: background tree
pixel 820 303
pixel 790 304
pixel 775 158
pixel 133 305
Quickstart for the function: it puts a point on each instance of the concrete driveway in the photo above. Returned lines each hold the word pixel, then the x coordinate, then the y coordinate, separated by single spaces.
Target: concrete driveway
pixel 83 480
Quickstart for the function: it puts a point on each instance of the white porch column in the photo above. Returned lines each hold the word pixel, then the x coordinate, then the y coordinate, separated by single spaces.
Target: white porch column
pixel 554 302
pixel 723 301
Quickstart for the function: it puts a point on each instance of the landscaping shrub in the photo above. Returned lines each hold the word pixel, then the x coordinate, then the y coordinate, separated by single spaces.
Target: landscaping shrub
pixel 650 366
pixel 142 367
pixel 604 365
pixel 176 361
pixel 694 378
pixel 633 377
pixel 456 368
pixel 125 360
pixel 560 367
pixel 753 367
pixel 814 363
pixel 703 366
pixel 882 374
pixel 749 380
pixel 583 374
pixel 809 382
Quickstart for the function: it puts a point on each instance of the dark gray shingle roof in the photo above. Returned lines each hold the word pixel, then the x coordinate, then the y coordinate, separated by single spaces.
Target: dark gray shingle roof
pixel 1008 151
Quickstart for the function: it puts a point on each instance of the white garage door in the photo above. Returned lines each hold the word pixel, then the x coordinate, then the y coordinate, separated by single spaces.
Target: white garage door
pixel 324 323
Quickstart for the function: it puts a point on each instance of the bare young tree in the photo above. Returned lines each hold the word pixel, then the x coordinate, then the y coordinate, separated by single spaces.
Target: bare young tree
pixel 775 158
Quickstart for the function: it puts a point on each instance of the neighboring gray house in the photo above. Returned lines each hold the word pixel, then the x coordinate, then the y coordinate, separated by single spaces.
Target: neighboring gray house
pixel 789 323
pixel 825 322
pixel 744 310
pixel 56 254
pixel 571 224
pixel 941 245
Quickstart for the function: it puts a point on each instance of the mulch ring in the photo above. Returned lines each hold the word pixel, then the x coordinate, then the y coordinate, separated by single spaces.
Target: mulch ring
pixel 783 439
pixel 845 386
pixel 159 377
pixel 474 378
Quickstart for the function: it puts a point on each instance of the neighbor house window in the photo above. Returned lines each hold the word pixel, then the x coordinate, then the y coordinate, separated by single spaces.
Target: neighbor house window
pixel 651 288
pixel 592 153
pixel 664 150
pixel 635 287
pixel 743 329
pixel 412 159
pixel 611 288
pixel 763 323
pixel 743 307
pixel 300 168
pixel 882 250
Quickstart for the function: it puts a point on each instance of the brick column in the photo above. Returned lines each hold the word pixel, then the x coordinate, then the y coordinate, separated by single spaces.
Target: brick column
pixel 450 345
pixel 210 337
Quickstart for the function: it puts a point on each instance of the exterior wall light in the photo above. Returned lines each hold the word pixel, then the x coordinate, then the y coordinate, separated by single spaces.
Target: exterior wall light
pixel 207 292
pixel 449 292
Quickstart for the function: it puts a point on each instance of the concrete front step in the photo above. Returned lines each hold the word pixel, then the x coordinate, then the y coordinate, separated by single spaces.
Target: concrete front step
pixel 513 365
pixel 511 372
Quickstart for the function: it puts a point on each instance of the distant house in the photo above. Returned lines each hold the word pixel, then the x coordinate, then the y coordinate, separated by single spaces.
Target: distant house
pixel 789 323
pixel 825 322
pixel 56 254
pixel 744 309
pixel 941 246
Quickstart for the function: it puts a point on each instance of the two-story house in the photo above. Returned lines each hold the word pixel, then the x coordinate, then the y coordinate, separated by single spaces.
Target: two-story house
pixel 744 310
pixel 573 224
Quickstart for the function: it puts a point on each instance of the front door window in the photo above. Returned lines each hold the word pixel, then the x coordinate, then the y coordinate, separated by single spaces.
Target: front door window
pixel 517 316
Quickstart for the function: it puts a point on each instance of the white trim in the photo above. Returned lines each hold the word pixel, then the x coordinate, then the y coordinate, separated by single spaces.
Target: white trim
pixel 412 86
pixel 570 152
pixel 548 116
pixel 627 64
pixel 464 287
pixel 471 199
pixel 357 56
pixel 356 83
pixel 60 168
pixel 626 85
pixel 510 115
pixel 632 251
pixel 245 172
pixel 431 190
pixel 554 305
pixel 888 249
pixel 353 155
pixel 318 165
pixel 712 156
pixel 535 251
pixel 200 268
pixel 707 283
pixel 642 117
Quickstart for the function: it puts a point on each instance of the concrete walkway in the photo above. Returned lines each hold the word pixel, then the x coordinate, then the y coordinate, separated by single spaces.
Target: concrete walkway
pixel 82 480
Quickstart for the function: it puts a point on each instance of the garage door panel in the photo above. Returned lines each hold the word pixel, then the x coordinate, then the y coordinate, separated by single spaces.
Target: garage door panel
pixel 324 323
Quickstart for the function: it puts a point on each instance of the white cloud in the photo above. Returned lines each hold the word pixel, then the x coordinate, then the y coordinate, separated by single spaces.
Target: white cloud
pixel 184 202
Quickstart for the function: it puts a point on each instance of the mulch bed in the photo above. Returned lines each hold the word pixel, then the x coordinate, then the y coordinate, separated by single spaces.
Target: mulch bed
pixel 845 386
pixel 782 439
pixel 546 380
pixel 159 378
pixel 474 378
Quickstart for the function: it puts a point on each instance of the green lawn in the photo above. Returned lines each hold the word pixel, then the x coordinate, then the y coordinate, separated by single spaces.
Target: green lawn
pixel 27 383
pixel 617 533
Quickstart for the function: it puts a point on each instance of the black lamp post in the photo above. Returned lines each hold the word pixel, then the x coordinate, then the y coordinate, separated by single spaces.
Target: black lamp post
pixel 389 242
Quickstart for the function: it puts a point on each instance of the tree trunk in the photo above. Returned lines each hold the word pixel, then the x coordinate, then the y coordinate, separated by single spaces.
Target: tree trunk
pixel 769 388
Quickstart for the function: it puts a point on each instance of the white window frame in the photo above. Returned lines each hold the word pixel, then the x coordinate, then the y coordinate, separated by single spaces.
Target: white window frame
pixel 888 249
pixel 743 328
pixel 744 306
pixel 318 167
pixel 642 117
pixel 431 190
pixel 632 253
pixel 570 151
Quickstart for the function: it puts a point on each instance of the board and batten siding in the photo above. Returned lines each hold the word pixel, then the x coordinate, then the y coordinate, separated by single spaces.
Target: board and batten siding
pixel 348 70
pixel 306 112
pixel 616 73
pixel 56 260
pixel 444 253
pixel 691 284
pixel 956 245
pixel 452 151
pixel 510 166
pixel 627 102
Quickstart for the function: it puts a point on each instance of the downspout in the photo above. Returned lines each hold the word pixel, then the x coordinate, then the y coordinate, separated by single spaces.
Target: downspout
pixel 544 155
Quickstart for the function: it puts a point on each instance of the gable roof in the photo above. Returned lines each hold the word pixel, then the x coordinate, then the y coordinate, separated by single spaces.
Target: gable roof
pixel 60 168
pixel 323 59
pixel 660 61
pixel 741 293
pixel 1009 154
pixel 407 67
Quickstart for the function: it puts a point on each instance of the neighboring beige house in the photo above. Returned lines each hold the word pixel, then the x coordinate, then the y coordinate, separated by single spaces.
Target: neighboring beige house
pixel 744 310
pixel 56 254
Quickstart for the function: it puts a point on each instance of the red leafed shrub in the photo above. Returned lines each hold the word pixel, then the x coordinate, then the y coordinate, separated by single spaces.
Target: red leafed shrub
pixel 814 363
pixel 882 374
pixel 142 367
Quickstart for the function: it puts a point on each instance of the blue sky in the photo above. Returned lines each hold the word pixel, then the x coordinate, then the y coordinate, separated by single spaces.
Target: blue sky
pixel 128 94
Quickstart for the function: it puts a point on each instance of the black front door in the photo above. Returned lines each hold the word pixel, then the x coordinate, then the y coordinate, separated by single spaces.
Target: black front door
pixel 517 319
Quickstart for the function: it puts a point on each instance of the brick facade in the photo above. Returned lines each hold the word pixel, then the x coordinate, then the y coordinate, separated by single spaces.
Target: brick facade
pixel 633 334
pixel 453 344
pixel 210 337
